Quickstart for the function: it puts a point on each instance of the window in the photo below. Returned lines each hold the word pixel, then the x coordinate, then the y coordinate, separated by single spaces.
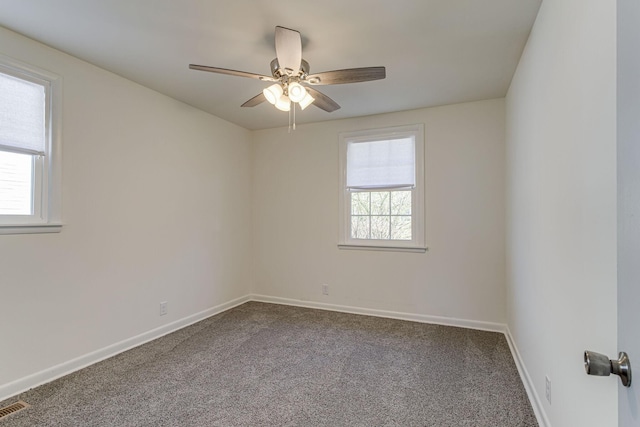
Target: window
pixel 382 189
pixel 29 149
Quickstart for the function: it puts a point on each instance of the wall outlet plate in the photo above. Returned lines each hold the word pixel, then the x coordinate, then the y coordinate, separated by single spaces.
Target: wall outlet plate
pixel 163 308
pixel 325 289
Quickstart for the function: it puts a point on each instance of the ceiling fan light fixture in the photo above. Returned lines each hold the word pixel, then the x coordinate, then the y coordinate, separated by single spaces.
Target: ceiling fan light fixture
pixel 273 93
pixel 296 92
pixel 283 103
pixel 306 101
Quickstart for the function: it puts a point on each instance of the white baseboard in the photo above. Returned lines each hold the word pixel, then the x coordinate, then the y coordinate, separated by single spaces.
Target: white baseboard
pixel 23 384
pixel 534 398
pixel 446 321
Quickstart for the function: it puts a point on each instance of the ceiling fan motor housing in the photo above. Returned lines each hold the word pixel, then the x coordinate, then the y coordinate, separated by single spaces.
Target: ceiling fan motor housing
pixel 279 72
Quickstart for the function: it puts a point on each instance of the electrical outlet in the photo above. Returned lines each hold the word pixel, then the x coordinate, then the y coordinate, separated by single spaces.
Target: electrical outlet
pixel 547 388
pixel 325 289
pixel 163 308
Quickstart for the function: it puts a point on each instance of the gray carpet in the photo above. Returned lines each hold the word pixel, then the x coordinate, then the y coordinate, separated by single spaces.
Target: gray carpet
pixel 273 365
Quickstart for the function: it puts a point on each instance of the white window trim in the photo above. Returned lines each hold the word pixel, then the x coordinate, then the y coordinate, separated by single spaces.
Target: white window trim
pixel 47 217
pixel 418 243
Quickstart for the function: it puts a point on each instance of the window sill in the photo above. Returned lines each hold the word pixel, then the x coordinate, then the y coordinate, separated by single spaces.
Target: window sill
pixel 418 249
pixel 30 229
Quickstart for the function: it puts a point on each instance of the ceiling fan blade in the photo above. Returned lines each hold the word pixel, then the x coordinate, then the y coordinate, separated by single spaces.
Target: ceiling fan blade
pixel 288 50
pixel 258 99
pixel 322 101
pixel 232 72
pixel 351 75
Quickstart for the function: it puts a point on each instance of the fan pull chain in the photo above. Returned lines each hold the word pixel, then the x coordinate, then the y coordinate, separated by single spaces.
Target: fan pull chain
pixel 289 131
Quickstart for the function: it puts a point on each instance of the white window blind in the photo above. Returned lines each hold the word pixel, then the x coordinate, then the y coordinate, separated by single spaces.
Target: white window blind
pixel 388 163
pixel 22 116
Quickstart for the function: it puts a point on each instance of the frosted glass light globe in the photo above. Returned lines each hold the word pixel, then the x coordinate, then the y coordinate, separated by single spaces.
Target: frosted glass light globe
pixel 273 93
pixel 296 92
pixel 283 103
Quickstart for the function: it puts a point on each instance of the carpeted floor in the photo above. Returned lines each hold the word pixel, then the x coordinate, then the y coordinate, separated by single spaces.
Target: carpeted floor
pixel 273 365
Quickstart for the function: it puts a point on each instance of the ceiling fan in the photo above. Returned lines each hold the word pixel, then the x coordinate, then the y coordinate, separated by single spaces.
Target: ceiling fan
pixel 292 81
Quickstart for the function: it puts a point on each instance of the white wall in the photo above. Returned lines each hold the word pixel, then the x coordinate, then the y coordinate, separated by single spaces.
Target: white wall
pixel 296 218
pixel 561 207
pixel 156 207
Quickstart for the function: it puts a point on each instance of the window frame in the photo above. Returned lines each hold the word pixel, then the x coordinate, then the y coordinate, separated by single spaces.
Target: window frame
pixel 46 217
pixel 418 241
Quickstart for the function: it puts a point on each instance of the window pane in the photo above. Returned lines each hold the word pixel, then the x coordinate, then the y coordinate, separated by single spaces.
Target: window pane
pixel 16 184
pixel 380 203
pixel 401 203
pixel 401 227
pixel 381 215
pixel 360 227
pixel 380 227
pixel 360 203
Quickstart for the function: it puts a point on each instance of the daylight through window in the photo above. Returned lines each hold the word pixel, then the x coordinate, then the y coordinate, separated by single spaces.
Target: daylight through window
pixel 16 184
pixel 383 215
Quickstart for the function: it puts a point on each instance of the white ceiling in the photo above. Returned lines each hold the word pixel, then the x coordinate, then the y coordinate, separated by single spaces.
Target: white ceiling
pixel 436 52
